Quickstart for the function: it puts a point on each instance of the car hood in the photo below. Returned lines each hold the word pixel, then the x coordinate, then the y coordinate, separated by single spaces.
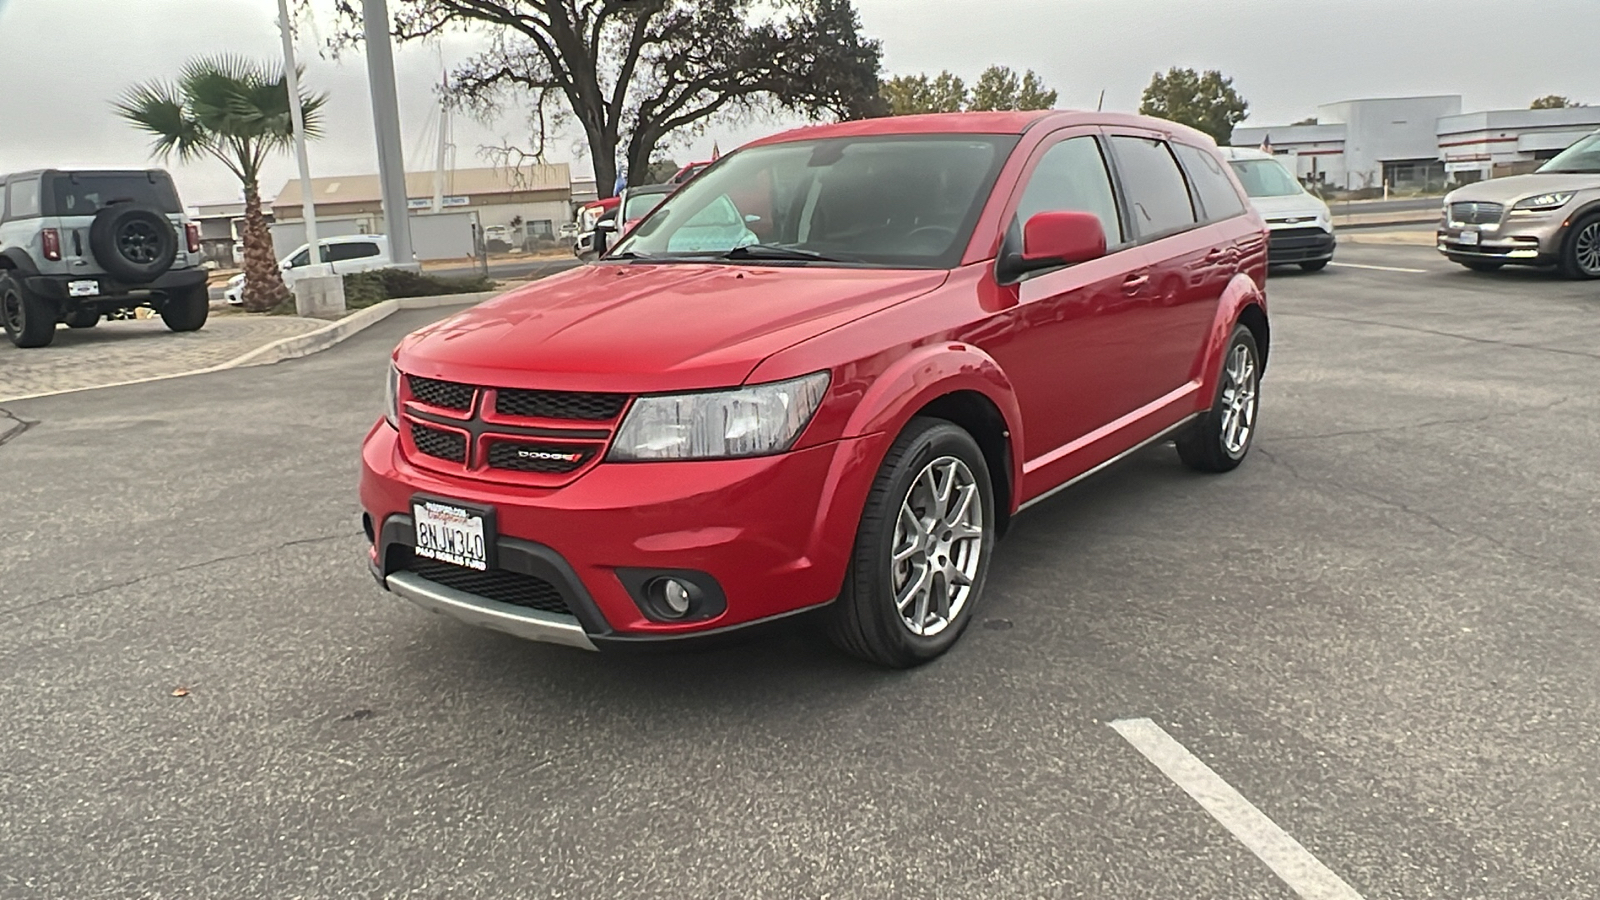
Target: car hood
pixel 1293 205
pixel 1515 187
pixel 645 328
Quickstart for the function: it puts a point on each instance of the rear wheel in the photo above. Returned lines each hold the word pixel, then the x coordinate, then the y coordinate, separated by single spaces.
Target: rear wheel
pixel 29 321
pixel 1220 440
pixel 1484 266
pixel 922 552
pixel 186 310
pixel 83 318
pixel 1580 253
pixel 1315 265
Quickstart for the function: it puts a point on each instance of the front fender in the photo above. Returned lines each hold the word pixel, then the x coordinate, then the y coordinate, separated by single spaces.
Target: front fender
pixel 924 375
pixel 1241 295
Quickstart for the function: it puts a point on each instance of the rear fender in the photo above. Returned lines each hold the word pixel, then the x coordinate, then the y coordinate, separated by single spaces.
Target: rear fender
pixel 16 260
pixel 1241 294
pixel 923 376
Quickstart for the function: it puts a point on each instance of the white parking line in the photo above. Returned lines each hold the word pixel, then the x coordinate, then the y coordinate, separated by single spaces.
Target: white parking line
pixel 1283 854
pixel 1344 265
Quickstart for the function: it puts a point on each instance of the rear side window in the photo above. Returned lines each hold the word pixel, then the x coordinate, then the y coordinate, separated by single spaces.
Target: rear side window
pixel 1157 194
pixel 23 202
pixel 1072 176
pixel 84 194
pixel 357 250
pixel 1217 194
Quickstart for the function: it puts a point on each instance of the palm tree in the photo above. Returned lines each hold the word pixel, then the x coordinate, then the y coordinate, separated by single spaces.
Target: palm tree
pixel 236 110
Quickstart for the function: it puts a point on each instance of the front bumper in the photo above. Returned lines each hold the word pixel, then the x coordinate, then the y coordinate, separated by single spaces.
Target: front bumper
pixel 770 536
pixel 1530 240
pixel 1299 244
pixel 112 292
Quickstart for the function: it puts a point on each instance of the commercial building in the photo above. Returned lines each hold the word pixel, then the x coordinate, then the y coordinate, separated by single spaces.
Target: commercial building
pixel 1418 141
pixel 535 198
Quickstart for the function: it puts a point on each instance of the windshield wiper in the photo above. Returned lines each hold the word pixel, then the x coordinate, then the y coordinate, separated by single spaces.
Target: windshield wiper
pixel 773 251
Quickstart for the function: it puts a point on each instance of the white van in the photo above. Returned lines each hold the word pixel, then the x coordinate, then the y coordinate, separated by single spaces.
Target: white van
pixel 345 254
pixel 1301 226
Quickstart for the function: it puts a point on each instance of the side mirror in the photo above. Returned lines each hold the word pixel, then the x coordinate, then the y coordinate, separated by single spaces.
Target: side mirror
pixel 1057 238
pixel 602 235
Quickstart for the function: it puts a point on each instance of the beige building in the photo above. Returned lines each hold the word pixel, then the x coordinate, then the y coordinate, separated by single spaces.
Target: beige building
pixel 539 194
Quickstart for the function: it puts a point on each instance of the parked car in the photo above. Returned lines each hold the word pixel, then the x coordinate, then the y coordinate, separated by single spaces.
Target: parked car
pixel 345 255
pixel 638 202
pixel 77 246
pixel 689 171
pixel 497 239
pixel 1301 225
pixel 824 376
pixel 590 218
pixel 1550 217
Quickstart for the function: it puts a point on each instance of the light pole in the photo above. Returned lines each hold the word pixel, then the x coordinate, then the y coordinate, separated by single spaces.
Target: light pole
pixel 386 122
pixel 291 72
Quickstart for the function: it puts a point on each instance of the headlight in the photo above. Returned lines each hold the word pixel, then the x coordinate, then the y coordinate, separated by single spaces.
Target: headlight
pixel 1553 200
pixel 391 398
pixel 236 281
pixel 752 421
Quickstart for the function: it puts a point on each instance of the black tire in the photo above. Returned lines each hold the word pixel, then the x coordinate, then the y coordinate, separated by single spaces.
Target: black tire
pixel 29 321
pixel 1477 266
pixel 865 621
pixel 83 318
pixel 133 243
pixel 1209 445
pixel 1580 251
pixel 186 310
pixel 1315 265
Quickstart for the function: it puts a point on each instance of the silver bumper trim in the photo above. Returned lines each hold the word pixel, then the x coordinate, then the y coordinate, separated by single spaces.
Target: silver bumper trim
pixel 529 624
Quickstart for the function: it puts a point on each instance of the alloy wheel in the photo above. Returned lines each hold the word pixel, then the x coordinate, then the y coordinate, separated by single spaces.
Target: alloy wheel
pixel 11 310
pixel 1239 395
pixel 139 243
pixel 938 545
pixel 1586 248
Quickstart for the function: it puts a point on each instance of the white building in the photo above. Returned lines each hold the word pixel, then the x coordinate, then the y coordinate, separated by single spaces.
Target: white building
pixel 1417 141
pixel 537 197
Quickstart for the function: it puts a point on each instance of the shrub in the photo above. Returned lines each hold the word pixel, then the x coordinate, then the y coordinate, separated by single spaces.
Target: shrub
pixel 365 289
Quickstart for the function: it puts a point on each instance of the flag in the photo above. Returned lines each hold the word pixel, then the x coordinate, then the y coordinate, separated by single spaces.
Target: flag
pixel 1266 143
pixel 716 152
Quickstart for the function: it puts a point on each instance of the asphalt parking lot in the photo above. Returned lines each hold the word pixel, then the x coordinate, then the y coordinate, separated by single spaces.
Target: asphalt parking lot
pixel 1383 631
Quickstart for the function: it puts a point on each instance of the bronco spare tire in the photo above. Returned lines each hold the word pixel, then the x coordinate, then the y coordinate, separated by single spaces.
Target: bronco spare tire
pixel 133 243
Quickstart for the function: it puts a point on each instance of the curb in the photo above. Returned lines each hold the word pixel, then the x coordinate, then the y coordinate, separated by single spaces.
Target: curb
pixel 299 345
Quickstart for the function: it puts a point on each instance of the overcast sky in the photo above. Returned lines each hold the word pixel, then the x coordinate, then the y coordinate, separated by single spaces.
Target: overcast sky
pixel 59 73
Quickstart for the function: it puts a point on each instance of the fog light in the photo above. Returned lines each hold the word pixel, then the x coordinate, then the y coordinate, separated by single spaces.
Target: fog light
pixel 675 596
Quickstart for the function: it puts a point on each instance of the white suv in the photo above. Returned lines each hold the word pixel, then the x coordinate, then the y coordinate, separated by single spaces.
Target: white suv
pixel 345 255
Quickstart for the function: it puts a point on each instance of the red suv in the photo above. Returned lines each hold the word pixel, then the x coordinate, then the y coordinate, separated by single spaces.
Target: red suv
pixel 826 372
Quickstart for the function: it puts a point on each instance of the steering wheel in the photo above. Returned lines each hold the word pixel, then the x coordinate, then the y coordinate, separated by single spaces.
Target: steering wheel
pixel 947 231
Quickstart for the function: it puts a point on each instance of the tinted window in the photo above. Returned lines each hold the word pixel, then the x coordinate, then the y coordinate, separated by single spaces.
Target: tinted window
pixel 892 200
pixel 639 205
pixel 1072 176
pixel 304 257
pixel 1217 194
pixel 341 252
pixel 85 194
pixel 1155 188
pixel 24 203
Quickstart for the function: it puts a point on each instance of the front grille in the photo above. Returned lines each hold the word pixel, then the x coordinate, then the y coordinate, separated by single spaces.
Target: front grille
pixel 443 394
pixel 439 444
pixel 498 585
pixel 552 459
pixel 559 405
pixel 1476 213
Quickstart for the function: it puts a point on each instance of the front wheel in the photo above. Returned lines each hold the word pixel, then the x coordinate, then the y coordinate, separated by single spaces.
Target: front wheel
pixel 187 310
pixel 1219 441
pixel 922 552
pixel 1580 252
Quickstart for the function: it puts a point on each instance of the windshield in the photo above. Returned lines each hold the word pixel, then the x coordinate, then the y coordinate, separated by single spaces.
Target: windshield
pixel 1584 156
pixel 888 200
pixel 1265 178
pixel 85 195
pixel 639 205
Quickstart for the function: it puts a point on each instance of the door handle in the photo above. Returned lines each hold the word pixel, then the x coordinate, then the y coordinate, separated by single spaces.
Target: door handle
pixel 1135 283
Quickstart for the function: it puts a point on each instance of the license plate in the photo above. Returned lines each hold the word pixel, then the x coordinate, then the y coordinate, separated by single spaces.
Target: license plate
pixel 83 288
pixel 452 534
pixel 1469 238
